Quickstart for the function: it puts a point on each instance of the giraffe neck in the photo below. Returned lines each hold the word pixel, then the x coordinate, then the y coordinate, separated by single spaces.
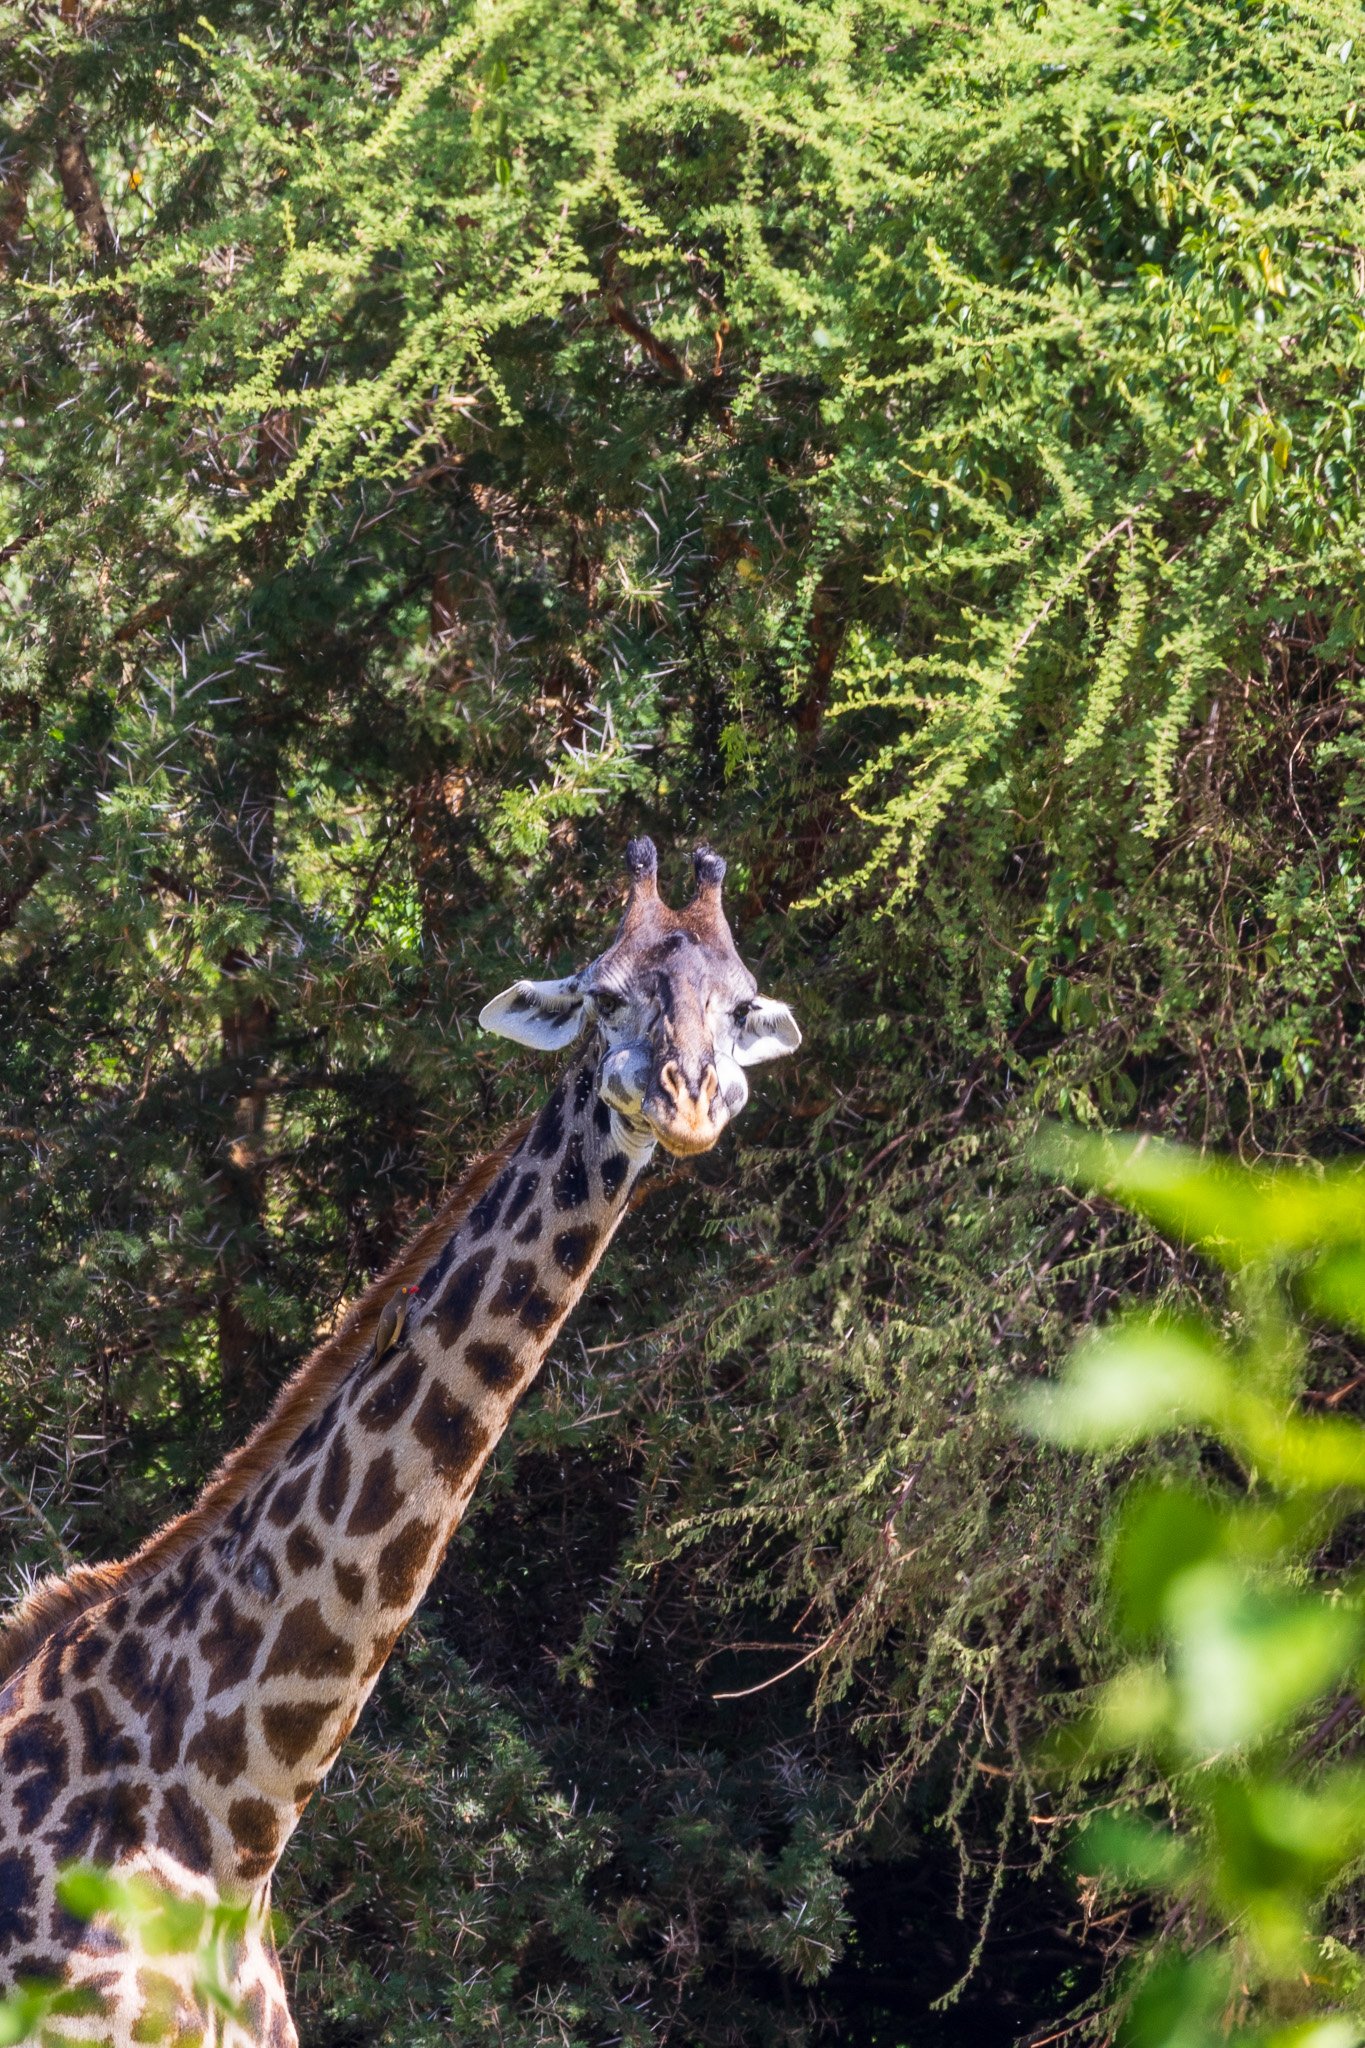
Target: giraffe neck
pixel 296 1600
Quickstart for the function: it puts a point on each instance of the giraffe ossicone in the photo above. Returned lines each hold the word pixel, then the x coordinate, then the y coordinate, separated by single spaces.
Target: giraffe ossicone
pixel 172 1714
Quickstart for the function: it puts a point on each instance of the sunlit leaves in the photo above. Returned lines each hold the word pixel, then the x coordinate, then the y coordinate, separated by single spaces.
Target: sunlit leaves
pixel 1140 1381
pixel 153 1923
pixel 1244 1660
pixel 1237 1215
pixel 27 2014
pixel 1240 1645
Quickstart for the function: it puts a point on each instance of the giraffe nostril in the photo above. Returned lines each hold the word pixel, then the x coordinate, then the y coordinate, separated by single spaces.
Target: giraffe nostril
pixel 687 1104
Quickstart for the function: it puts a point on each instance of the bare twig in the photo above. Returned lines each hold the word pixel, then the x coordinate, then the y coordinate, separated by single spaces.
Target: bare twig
pixel 31 1508
pixel 659 352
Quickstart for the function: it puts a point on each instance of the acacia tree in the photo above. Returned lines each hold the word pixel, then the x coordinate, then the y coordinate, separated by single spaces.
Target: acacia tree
pixel 919 455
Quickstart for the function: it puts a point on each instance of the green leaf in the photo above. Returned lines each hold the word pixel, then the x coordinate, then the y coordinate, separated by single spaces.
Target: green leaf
pixel 24 2011
pixel 85 1890
pixel 1134 1711
pixel 1338 2030
pixel 1139 1380
pixel 1334 1287
pixel 1245 1661
pixel 1133 1851
pixel 1275 1833
pixel 1163 1532
pixel 1237 1214
pixel 1179 2004
pixel 1318 1454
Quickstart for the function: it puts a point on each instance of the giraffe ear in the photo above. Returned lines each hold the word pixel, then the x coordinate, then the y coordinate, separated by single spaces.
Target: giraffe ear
pixel 766 1031
pixel 543 1014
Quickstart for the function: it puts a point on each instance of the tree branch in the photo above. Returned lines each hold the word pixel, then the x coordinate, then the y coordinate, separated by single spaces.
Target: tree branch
pixel 82 191
pixel 14 206
pixel 659 352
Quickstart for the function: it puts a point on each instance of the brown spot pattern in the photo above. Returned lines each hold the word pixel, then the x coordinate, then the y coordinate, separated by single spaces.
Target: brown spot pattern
pixel 452 1433
pixel 253 2012
pixel 335 1482
pixel 401 1561
pixel 393 1396
pixel 484 1213
pixel 292 1728
pixel 379 1499
pixel 183 1831
pixel 219 1749
pixel 255 1829
pixel 18 1897
pixel 88 1651
pixel 570 1180
pixel 380 1650
pixel 307 1648
pixel 161 1698
pixel 50 1667
pixel 106 1745
pixel 316 1432
pixel 35 1755
pixel 519 1295
pixel 454 1311
pixel 303 1552
pixel 178 1597
pixel 526 1187
pixel 260 1574
pixel 546 1134
pixel 573 1250
pixel 350 1583
pixel 102 1825
pixel 289 1497
pixel 229 1645
pixel 494 1364
pixel 254 1824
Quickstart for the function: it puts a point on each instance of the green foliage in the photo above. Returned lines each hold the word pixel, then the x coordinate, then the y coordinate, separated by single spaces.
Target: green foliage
pixel 519 1913
pixel 916 452
pixel 158 1924
pixel 1239 1650
pixel 25 2013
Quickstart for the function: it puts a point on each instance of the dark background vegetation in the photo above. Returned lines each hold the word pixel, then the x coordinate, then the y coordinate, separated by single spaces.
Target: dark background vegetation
pixel 915 451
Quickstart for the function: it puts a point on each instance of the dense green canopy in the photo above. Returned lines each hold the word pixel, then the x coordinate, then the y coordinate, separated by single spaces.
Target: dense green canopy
pixel 916 451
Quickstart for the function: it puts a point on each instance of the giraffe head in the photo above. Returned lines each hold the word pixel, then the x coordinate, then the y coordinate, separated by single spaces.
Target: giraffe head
pixel 677 1011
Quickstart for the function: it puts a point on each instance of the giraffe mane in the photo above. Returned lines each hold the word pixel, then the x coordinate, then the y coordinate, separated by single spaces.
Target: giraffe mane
pixel 56 1600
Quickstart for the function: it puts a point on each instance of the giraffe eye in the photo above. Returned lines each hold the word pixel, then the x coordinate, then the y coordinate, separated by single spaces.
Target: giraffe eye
pixel 742 1010
pixel 607 1001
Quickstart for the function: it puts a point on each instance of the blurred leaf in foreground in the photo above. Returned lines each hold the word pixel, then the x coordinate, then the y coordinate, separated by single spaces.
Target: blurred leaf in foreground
pixel 1243 1644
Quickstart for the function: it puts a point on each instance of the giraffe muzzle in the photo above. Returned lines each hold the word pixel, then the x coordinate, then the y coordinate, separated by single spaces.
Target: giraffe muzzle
pixel 686 1119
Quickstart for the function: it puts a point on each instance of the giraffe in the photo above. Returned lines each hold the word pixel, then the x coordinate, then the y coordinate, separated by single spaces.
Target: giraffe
pixel 171 1715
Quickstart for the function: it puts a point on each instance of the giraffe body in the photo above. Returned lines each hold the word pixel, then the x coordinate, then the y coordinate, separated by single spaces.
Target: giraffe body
pixel 173 1716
